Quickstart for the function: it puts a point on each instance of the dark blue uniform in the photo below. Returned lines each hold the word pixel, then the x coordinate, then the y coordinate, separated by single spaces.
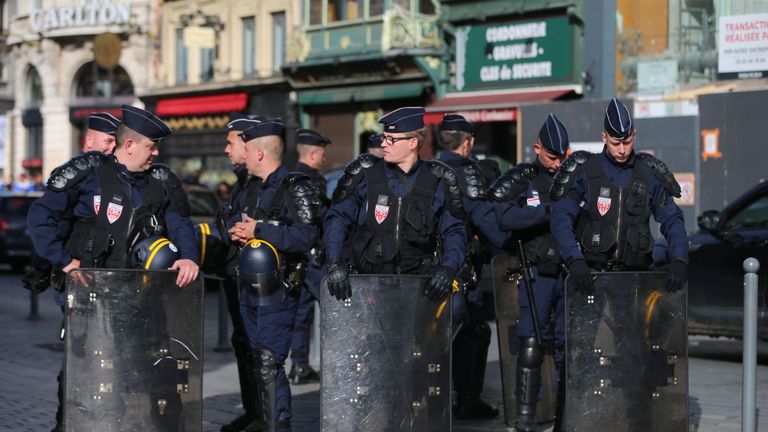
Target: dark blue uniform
pixel 45 218
pixel 343 215
pixel 567 209
pixel 268 327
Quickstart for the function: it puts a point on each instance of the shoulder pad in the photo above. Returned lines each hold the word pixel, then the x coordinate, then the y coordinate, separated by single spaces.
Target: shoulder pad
pixel 513 182
pixel 566 175
pixel 451 185
pixel 352 174
pixel 159 171
pixel 472 181
pixel 663 172
pixel 72 172
pixel 306 198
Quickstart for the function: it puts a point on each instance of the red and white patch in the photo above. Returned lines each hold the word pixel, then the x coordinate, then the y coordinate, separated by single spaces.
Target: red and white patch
pixel 603 205
pixel 113 212
pixel 380 213
pixel 96 203
pixel 534 202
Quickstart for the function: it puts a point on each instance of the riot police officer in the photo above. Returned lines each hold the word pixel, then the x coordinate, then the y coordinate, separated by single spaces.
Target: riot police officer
pixel 217 239
pixel 100 135
pixel 375 197
pixel 373 145
pixel 523 192
pixel 310 146
pixel 471 343
pixel 603 202
pixel 68 220
pixel 282 211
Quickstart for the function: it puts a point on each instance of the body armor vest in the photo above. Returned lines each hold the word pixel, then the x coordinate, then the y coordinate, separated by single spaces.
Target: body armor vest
pixel 614 231
pixel 537 240
pixel 106 240
pixel 399 235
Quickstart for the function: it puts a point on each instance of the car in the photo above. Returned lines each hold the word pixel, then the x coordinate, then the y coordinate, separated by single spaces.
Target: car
pixel 203 203
pixel 15 242
pixel 715 274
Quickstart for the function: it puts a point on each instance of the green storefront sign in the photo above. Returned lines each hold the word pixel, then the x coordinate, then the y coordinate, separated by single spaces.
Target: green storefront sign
pixel 515 54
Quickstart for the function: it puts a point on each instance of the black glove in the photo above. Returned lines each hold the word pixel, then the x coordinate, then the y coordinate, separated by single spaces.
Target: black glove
pixel 677 275
pixel 36 281
pixel 440 284
pixel 581 277
pixel 337 279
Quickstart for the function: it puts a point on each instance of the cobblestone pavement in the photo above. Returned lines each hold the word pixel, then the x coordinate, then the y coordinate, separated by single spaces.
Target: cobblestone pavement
pixel 31 355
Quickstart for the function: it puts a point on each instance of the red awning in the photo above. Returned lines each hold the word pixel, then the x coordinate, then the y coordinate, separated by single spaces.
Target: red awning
pixel 202 104
pixel 491 106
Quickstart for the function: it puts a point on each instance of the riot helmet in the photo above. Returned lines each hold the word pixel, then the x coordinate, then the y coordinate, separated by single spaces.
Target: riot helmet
pixel 212 246
pixel 259 272
pixel 154 253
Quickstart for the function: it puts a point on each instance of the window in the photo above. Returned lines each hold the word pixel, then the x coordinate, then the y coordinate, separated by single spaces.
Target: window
pixel 249 48
pixel 94 82
pixel 315 12
pixel 278 40
pixel 405 4
pixel 207 60
pixel 345 10
pixel 376 8
pixel 426 7
pixel 753 216
pixel 35 142
pixel 34 89
pixel 181 57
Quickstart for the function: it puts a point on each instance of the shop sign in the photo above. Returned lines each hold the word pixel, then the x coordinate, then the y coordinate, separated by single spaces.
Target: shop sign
pixel 514 54
pixel 743 47
pixel 83 14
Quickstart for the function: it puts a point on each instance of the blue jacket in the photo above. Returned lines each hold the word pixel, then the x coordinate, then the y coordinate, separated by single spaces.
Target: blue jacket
pixel 48 228
pixel 342 215
pixel 290 236
pixel 566 210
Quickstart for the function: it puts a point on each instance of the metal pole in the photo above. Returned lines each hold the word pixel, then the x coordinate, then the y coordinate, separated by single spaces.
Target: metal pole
pixel 749 361
pixel 223 345
pixel 34 315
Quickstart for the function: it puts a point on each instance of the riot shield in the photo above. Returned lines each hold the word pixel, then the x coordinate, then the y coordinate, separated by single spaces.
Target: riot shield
pixel 386 357
pixel 504 269
pixel 626 361
pixel 133 352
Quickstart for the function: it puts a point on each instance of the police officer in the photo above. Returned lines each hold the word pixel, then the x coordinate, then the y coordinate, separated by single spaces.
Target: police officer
pixel 603 203
pixel 471 343
pixel 373 199
pixel 235 150
pixel 100 136
pixel 523 192
pixel 69 218
pixel 373 145
pixel 310 146
pixel 282 211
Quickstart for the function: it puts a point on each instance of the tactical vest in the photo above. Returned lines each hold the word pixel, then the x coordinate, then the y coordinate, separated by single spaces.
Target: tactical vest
pixel 105 241
pixel 614 231
pixel 537 240
pixel 399 235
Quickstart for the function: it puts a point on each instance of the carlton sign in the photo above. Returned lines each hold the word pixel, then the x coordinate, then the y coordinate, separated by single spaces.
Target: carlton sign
pixel 83 14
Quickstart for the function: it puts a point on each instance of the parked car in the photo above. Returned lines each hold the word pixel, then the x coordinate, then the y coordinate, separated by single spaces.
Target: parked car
pixel 715 274
pixel 203 203
pixel 15 243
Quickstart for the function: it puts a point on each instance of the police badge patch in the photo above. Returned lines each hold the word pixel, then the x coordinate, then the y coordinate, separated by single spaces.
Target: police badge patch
pixel 603 205
pixel 96 203
pixel 113 212
pixel 381 210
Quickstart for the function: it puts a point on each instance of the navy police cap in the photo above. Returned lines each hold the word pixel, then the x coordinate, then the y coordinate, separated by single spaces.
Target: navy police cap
pixel 145 123
pixel 265 128
pixel 618 122
pixel 406 119
pixel 374 140
pixel 553 136
pixel 310 137
pixel 103 122
pixel 241 122
pixel 455 122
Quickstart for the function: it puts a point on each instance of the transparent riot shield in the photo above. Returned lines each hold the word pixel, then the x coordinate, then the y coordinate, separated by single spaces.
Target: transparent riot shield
pixel 626 361
pixel 133 352
pixel 386 357
pixel 506 275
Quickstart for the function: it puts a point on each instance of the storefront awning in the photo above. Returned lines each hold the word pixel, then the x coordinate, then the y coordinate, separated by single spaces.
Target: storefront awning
pixel 202 104
pixel 492 106
pixel 360 93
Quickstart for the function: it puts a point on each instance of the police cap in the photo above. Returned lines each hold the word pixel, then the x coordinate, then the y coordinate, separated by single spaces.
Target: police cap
pixel 310 137
pixel 240 122
pixel 618 122
pixel 457 123
pixel 406 119
pixel 374 140
pixel 145 123
pixel 103 122
pixel 553 136
pixel 265 128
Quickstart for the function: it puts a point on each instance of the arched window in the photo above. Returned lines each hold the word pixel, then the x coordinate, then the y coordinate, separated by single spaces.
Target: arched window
pixel 32 120
pixel 34 96
pixel 96 85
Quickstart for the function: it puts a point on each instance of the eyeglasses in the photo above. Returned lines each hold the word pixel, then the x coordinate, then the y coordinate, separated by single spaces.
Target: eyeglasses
pixel 390 140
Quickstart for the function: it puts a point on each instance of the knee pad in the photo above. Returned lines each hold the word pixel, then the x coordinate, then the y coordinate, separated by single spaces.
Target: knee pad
pixel 531 354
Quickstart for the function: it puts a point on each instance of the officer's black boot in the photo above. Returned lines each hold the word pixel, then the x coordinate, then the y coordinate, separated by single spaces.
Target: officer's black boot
pixel 303 374
pixel 470 374
pixel 528 383
pixel 265 374
pixel 247 389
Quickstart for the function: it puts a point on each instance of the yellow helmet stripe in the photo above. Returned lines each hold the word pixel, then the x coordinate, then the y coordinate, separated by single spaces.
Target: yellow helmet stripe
pixel 251 241
pixel 202 245
pixel 160 240
pixel 157 246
